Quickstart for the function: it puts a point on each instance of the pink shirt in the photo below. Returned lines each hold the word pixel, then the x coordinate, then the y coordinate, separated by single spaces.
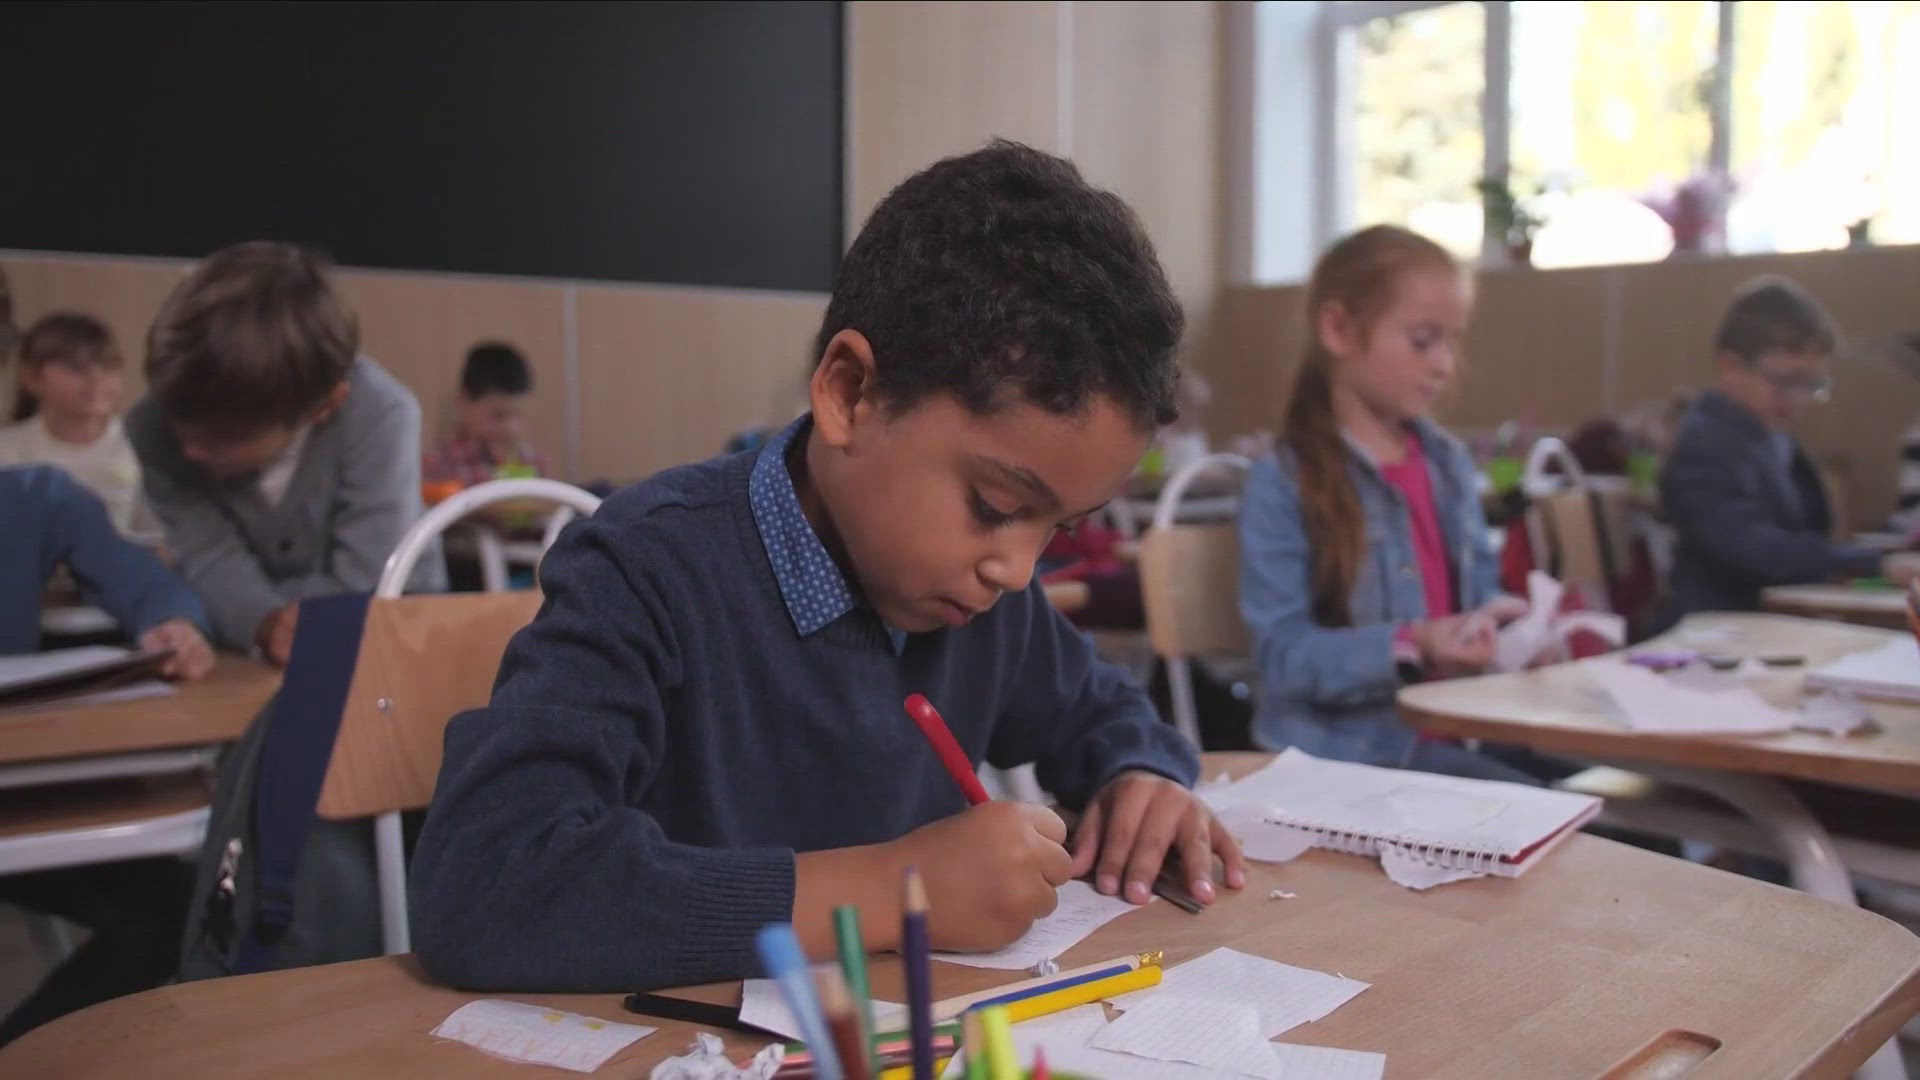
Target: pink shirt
pixel 1410 477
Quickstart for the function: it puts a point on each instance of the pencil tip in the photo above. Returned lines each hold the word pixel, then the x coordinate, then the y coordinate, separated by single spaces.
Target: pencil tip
pixel 916 892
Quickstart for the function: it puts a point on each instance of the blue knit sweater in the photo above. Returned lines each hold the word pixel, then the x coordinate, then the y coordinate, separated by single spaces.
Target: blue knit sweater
pixel 662 740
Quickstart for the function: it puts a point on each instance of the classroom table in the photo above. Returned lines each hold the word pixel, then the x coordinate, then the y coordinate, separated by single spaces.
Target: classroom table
pixel 1554 709
pixel 1596 954
pixel 61 741
pixel 1884 606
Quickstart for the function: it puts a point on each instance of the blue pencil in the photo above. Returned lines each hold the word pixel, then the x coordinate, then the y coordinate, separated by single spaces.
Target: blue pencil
pixel 1048 988
pixel 913 950
pixel 786 963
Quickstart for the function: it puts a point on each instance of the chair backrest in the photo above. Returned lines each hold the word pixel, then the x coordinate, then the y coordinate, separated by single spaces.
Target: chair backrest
pixel 425 658
pixel 571 500
pixel 1585 535
pixel 1190 575
pixel 422 660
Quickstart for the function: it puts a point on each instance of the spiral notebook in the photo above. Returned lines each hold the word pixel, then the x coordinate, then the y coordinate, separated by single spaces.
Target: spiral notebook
pixel 1482 826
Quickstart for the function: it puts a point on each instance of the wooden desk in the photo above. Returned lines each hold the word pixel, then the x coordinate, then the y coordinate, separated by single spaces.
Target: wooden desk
pixel 1564 972
pixel 1555 709
pixel 1844 603
pixel 213 710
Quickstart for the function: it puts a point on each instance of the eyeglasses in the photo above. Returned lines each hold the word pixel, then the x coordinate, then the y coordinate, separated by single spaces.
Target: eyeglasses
pixel 1818 388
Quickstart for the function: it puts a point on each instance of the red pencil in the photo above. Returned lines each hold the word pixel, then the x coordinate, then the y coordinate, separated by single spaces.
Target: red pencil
pixel 955 759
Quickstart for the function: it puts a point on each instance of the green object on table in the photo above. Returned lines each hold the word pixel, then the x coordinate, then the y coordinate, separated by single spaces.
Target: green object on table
pixel 853 962
pixel 1870 584
pixel 1643 468
pixel 1503 472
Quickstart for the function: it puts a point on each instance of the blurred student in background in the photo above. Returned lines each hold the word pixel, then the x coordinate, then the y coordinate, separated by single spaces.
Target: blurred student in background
pixel 490 441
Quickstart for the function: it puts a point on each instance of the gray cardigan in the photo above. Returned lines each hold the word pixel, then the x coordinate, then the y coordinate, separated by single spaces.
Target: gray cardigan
pixel 354 493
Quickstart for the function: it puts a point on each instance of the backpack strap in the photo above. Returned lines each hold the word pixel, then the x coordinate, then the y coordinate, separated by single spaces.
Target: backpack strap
pixel 294 758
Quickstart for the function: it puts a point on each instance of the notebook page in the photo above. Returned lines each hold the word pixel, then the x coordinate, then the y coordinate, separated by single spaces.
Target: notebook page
pixel 1284 996
pixel 1081 912
pixel 1412 807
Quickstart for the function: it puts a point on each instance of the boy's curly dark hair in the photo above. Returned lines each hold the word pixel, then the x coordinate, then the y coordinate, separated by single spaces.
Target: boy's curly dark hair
pixel 1003 275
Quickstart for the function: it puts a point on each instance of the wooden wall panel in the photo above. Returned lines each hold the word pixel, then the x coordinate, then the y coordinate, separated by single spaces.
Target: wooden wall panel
pixel 930 80
pixel 1145 122
pixel 668 375
pixel 1535 348
pixel 420 327
pixel 123 293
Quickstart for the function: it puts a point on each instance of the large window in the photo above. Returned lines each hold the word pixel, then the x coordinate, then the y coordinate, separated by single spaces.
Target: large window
pixel 1627 130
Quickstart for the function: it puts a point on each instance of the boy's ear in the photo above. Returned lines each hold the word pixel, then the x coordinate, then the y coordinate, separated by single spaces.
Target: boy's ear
pixel 330 404
pixel 842 391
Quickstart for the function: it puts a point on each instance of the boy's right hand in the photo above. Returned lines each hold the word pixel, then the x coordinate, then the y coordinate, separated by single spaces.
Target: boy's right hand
pixel 275 636
pixel 990 872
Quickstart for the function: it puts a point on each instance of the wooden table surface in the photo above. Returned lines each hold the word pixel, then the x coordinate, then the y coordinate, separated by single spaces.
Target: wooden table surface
pixel 1556 709
pixel 1564 972
pixel 1847 603
pixel 213 710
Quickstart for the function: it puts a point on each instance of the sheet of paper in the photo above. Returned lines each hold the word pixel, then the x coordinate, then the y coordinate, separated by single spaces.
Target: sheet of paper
pixel 145 688
pixel 539 1036
pixel 32 667
pixel 1890 671
pixel 1220 1035
pixel 762 1006
pixel 707 1060
pixel 1261 839
pixel 1644 701
pixel 1416 873
pixel 1081 912
pixel 1285 996
pixel 1328 1063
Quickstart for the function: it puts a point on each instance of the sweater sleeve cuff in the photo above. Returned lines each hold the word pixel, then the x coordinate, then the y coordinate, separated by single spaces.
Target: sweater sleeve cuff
pixel 1860 562
pixel 729 895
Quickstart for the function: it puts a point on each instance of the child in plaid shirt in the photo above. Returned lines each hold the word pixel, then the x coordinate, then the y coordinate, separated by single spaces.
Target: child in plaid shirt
pixel 490 442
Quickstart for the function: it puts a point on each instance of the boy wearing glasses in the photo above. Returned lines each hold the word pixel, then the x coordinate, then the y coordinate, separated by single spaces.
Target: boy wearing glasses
pixel 1746 501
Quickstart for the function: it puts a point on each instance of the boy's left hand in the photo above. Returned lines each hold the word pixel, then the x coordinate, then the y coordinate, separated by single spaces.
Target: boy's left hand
pixel 1131 825
pixel 192 656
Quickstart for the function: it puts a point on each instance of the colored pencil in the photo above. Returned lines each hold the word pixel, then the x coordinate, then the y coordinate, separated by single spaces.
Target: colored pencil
pixel 1049 984
pixel 913 950
pixel 976 1046
pixel 786 963
pixel 843 1026
pixel 853 962
pixel 1061 1000
pixel 1040 1070
pixel 798 1065
pixel 959 766
pixel 997 1033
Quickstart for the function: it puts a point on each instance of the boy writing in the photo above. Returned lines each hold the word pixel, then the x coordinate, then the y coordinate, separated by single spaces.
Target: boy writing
pixel 280 463
pixel 1743 496
pixel 491 439
pixel 702 731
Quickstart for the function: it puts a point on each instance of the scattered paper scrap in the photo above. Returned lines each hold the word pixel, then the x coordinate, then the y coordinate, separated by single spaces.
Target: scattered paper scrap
pixel 539 1036
pixel 1209 1032
pixel 708 1060
pixel 1285 996
pixel 1282 894
pixel 1081 912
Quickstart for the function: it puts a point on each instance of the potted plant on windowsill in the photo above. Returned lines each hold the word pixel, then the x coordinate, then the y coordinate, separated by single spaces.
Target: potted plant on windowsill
pixel 1510 222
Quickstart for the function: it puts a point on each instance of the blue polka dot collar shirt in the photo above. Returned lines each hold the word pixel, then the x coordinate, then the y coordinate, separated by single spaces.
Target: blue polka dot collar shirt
pixel 814 587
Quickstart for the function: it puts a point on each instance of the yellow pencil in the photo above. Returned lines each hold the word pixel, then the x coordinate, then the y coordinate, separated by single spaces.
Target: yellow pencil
pixel 997 1032
pixel 1061 1000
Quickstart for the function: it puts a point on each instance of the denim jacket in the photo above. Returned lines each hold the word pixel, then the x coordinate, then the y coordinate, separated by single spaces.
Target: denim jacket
pixel 1329 690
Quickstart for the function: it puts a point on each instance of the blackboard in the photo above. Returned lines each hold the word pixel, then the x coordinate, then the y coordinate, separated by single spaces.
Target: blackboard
pixel 688 143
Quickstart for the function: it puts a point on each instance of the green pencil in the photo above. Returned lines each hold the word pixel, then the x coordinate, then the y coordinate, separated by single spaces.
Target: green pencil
pixel 853 960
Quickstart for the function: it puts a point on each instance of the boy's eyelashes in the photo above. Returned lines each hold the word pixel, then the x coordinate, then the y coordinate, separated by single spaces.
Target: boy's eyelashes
pixel 992 517
pixel 988 514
